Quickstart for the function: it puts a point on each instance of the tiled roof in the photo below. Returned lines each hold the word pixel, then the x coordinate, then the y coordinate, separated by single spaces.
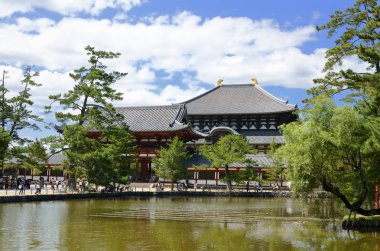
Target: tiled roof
pixel 56 159
pixel 261 160
pixel 257 137
pixel 236 99
pixel 154 118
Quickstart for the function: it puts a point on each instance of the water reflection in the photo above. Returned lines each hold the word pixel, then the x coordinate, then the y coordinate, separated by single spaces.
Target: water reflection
pixel 27 226
pixel 178 224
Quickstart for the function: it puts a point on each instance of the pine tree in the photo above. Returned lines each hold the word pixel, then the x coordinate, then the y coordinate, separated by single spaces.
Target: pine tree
pixel 228 149
pixel 96 142
pixel 16 114
pixel 171 161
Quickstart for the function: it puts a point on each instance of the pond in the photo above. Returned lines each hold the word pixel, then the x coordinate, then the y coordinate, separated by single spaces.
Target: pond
pixel 179 223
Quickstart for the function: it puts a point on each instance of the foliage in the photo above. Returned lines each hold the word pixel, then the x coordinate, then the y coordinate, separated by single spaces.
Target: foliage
pixel 228 149
pixel 16 114
pixel 171 161
pixel 249 172
pixel 339 148
pixel 37 156
pixel 96 142
pixel 100 162
pixel 330 148
pixel 359 28
pixel 276 171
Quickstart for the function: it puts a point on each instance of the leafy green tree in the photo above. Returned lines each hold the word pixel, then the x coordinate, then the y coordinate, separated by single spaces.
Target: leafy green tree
pixel 95 141
pixel 228 149
pixel 329 148
pixel 276 171
pixel 37 156
pixel 31 155
pixel 16 114
pixel 110 162
pixel 171 161
pixel 358 27
pixel 249 172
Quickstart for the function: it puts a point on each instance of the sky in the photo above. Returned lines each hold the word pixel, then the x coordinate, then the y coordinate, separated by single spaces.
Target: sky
pixel 172 50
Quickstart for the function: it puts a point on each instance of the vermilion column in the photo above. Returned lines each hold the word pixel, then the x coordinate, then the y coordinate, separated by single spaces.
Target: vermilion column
pixel 377 195
pixel 137 168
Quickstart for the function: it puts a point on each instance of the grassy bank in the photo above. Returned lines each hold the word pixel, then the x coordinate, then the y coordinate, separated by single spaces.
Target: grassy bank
pixel 361 221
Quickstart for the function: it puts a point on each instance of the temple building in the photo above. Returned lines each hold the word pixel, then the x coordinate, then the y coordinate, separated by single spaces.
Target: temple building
pixel 244 109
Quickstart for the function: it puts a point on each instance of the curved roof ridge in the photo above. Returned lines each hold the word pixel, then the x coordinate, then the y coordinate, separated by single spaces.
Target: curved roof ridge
pixel 149 106
pixel 271 96
pixel 237 99
pixel 199 96
pixel 154 118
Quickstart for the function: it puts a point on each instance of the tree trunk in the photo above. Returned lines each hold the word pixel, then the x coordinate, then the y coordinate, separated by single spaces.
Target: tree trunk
pixel 72 183
pixel 228 178
pixel 172 186
pixel 356 206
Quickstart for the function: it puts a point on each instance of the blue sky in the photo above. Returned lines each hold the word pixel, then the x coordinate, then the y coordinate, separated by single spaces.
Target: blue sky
pixel 172 50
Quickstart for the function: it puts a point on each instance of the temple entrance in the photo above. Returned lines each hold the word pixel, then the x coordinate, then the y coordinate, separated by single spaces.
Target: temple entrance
pixel 144 171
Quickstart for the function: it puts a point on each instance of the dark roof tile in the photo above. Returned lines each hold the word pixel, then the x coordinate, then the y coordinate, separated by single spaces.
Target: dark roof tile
pixel 237 99
pixel 154 118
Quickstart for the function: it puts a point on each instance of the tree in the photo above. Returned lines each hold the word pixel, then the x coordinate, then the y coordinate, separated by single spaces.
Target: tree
pixel 330 148
pixel 16 114
pixel 109 163
pixel 95 141
pixel 171 161
pixel 36 156
pixel 276 170
pixel 228 149
pixel 360 38
pixel 339 147
pixel 249 172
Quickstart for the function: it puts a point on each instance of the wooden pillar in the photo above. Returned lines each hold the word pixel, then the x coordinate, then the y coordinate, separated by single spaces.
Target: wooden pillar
pixel 216 175
pixel 377 195
pixel 137 168
pixel 143 169
pixel 48 173
pixel 150 168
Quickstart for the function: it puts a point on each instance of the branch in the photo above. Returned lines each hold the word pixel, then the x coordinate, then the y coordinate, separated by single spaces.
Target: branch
pixel 330 188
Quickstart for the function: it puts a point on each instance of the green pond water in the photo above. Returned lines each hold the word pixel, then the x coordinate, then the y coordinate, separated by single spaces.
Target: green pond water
pixel 179 223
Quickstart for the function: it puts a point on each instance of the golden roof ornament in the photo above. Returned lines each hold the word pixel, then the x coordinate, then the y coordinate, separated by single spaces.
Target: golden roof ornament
pixel 219 82
pixel 254 81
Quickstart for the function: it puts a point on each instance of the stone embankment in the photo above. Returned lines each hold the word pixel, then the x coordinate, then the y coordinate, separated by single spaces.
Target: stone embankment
pixel 12 196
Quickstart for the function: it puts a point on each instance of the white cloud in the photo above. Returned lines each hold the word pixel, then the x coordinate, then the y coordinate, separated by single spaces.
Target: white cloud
pixel 169 95
pixel 65 7
pixel 35 25
pixel 201 51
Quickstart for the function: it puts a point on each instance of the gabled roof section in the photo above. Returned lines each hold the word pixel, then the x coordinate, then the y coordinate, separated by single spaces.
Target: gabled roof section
pixel 237 99
pixel 56 159
pixel 259 137
pixel 259 160
pixel 154 118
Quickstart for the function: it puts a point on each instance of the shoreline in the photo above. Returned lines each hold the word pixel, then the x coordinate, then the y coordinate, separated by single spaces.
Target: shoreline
pixel 11 197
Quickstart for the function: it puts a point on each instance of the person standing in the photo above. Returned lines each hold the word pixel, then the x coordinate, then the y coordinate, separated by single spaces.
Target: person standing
pixel 38 189
pixel 21 187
